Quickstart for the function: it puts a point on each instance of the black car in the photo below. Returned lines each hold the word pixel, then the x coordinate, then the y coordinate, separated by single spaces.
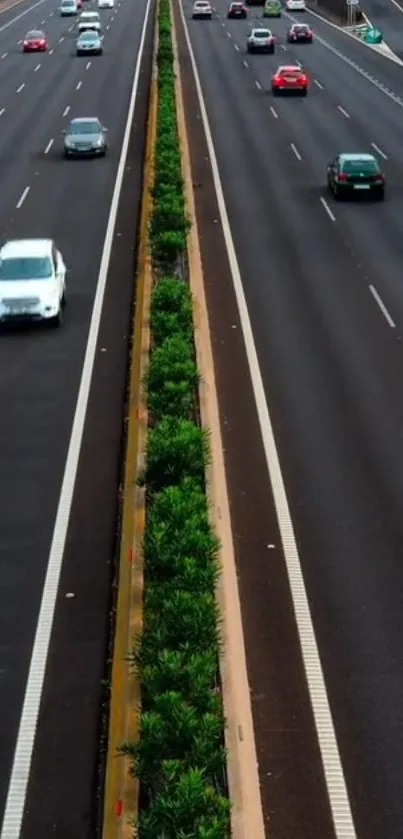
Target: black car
pixel 237 10
pixel 356 174
pixel 299 33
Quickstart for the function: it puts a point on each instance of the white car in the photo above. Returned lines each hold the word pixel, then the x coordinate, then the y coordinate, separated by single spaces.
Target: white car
pixel 106 4
pixel 261 40
pixel 32 281
pixel 89 21
pixel 295 5
pixel 202 10
pixel 68 8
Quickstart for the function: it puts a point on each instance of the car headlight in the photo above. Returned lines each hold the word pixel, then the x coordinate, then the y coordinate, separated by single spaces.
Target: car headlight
pixel 99 142
pixel 70 144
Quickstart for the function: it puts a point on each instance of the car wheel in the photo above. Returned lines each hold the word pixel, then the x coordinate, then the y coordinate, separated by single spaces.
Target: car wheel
pixel 336 193
pixel 63 301
pixel 57 320
pixel 380 194
pixel 304 92
pixel 271 50
pixel 274 91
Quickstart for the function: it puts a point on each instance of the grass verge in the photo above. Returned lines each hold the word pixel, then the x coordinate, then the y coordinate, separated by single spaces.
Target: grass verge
pixel 179 758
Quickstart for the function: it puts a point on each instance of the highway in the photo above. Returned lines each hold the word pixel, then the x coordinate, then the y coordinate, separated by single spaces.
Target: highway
pixel 323 285
pixel 388 16
pixel 41 194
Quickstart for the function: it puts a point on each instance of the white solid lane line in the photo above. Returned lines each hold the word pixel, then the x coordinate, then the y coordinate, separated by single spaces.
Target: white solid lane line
pixel 49 146
pixel 22 761
pixel 37 68
pixel 296 152
pixel 258 85
pixel 88 65
pixel 382 306
pixel 21 87
pixel 23 197
pixel 78 85
pixel 274 112
pixel 342 111
pixel 318 84
pixel 326 207
pixel 379 151
pixel 66 110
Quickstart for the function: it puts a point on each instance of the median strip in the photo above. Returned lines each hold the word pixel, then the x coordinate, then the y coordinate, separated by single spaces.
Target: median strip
pixel 179 757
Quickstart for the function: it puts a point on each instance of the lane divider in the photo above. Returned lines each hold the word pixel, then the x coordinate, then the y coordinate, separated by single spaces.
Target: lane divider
pixel 121 789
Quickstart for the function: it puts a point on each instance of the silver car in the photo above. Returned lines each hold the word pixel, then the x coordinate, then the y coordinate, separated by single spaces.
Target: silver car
pixel 85 137
pixel 89 43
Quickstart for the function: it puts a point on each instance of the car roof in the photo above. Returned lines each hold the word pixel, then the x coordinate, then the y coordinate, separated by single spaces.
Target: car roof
pixel 261 29
pixel 26 247
pixel 300 26
pixel 356 156
pixel 84 119
pixel 89 14
pixel 289 68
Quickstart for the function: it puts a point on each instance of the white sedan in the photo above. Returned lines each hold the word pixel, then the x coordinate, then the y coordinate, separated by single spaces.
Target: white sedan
pixel 202 10
pixel 106 4
pixel 295 5
pixel 32 281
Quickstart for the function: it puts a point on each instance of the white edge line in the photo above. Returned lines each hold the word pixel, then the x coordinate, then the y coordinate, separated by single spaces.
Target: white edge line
pixel 336 785
pixel 326 207
pixel 382 306
pixel 343 31
pixel 17 789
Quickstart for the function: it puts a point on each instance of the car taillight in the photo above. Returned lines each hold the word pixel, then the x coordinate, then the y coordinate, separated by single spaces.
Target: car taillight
pixel 25 43
pixel 379 179
pixel 342 176
pixel 303 80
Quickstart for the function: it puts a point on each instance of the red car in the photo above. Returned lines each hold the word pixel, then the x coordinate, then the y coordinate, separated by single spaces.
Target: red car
pixel 35 41
pixel 289 79
pixel 237 10
pixel 300 33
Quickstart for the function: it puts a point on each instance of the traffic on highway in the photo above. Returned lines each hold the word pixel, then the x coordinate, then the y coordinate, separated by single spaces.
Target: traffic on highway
pixel 313 261
pixel 68 221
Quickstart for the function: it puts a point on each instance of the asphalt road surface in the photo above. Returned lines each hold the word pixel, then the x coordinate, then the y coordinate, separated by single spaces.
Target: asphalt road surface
pixel 388 16
pixel 323 283
pixel 41 194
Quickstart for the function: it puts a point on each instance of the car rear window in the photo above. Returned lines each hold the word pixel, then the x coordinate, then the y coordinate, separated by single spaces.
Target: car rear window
pixel 25 268
pixel 261 33
pixel 351 166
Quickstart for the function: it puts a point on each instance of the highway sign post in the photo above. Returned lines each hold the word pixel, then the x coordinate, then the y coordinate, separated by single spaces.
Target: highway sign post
pixel 352 11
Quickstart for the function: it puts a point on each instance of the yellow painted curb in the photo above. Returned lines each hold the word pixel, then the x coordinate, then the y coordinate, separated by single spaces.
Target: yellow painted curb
pixel 121 789
pixel 246 806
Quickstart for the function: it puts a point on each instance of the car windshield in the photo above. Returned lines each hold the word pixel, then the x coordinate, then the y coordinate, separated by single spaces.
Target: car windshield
pixel 261 33
pixel 89 36
pixel 36 33
pixel 300 28
pixel 289 71
pixel 90 126
pixel 69 3
pixel 26 268
pixel 352 166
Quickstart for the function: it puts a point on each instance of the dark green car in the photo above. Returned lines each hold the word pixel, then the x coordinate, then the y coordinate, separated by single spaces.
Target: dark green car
pixel 356 174
pixel 272 8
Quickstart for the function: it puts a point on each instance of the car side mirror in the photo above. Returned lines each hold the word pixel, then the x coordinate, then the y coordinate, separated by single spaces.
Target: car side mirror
pixel 104 129
pixel 64 132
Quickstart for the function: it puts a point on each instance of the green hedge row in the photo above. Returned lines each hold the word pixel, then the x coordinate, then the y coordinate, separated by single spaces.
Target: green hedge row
pixel 180 757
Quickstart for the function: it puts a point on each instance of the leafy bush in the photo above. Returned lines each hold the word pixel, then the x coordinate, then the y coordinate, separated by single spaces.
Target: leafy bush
pixel 179 758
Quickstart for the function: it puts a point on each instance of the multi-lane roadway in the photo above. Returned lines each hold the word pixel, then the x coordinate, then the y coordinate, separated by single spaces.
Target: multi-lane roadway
pixel 41 194
pixel 323 283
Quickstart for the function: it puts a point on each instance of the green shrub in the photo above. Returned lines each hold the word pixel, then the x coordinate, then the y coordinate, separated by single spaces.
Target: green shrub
pixel 177 448
pixel 185 672
pixel 171 310
pixel 172 378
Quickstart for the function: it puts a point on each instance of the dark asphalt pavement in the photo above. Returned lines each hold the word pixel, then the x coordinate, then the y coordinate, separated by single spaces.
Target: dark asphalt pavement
pixel 40 373
pixel 323 283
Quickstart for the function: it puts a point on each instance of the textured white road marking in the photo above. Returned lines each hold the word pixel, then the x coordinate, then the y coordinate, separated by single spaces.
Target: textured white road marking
pixel 379 151
pixel 49 146
pixel 327 209
pixel 333 770
pixel 296 152
pixel 342 111
pixel 17 789
pixel 23 197
pixel 382 306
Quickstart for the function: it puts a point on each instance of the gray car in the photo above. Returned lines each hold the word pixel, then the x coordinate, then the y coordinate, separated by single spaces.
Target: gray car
pixel 89 43
pixel 85 137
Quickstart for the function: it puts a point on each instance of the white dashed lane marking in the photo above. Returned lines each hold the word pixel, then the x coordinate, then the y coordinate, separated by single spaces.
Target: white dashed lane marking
pixel 318 84
pixel 245 64
pixel 78 85
pixel 379 151
pixel 327 209
pixel 66 110
pixel 296 152
pixel 343 111
pixel 49 146
pixel 23 197
pixel 258 85
pixel 37 68
pixel 21 87
pixel 5 54
pixel 88 65
pixel 2 110
pixel 382 306
pixel 274 112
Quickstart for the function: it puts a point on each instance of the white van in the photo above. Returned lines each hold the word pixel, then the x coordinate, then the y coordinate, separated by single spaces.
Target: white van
pixel 89 21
